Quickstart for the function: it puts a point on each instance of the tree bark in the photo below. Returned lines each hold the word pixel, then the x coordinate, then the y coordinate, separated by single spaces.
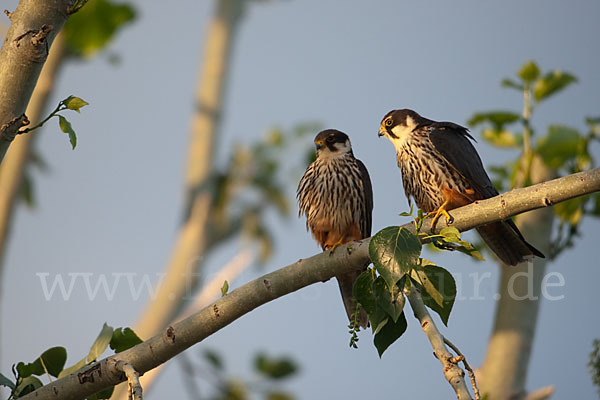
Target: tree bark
pixel 503 373
pixel 34 24
pixel 318 268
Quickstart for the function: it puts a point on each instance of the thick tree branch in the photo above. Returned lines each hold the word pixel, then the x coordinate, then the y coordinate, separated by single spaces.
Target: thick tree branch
pixel 34 24
pixel 318 268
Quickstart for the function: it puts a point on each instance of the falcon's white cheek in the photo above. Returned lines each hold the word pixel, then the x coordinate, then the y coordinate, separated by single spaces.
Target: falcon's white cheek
pixel 343 148
pixel 402 134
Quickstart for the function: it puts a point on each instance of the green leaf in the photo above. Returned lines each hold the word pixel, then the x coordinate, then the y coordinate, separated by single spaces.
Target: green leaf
pixel 81 363
pixel 4 381
pixel 90 29
pixel 450 233
pixel 496 118
pixel 54 359
pixel 509 83
pixel 274 368
pixel 104 394
pixel 552 83
pixel 502 138
pixel 451 240
pixel 439 288
pixel 364 293
pixel 224 288
pixel 213 359
pixel 394 250
pixel 74 103
pixel 560 145
pixel 101 343
pixel 529 72
pixel 66 127
pixel 123 339
pixel 391 301
pixel 26 191
pixel 389 333
pixel 27 385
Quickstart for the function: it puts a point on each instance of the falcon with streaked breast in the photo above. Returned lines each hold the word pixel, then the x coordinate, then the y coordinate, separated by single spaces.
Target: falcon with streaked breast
pixel 336 196
pixel 441 170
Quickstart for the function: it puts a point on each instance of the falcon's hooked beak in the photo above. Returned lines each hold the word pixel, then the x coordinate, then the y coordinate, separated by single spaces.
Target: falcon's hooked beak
pixel 319 144
pixel 382 130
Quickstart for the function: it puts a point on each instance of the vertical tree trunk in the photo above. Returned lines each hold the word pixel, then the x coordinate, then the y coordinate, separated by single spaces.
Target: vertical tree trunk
pixel 190 243
pixel 182 272
pixel 504 370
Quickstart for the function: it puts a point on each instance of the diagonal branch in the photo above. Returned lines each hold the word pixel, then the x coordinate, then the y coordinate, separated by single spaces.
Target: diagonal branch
pixel 318 268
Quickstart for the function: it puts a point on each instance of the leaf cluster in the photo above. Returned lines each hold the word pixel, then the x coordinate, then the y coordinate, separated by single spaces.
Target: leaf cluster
pixel 594 364
pixel 52 362
pixel 254 180
pixel 562 149
pixel 398 268
pixel 90 29
pixel 270 372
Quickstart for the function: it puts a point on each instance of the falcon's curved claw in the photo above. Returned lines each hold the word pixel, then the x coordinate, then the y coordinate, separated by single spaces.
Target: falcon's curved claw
pixel 335 245
pixel 439 212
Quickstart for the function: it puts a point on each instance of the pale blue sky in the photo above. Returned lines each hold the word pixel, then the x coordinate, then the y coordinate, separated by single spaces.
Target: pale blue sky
pixel 112 205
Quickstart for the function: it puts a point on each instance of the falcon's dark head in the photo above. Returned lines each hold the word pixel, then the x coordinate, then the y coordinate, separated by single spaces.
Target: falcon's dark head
pixel 332 143
pixel 398 124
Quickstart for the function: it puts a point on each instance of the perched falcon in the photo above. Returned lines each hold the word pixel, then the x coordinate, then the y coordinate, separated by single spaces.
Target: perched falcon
pixel 441 170
pixel 336 197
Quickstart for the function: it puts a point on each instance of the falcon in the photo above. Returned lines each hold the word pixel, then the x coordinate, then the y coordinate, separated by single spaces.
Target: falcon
pixel 441 170
pixel 336 196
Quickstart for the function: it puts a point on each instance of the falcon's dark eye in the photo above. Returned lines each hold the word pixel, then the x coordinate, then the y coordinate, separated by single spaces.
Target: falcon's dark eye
pixel 330 139
pixel 388 122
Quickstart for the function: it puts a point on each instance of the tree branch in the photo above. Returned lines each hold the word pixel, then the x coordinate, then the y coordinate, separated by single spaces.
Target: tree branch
pixel 318 268
pixel 34 24
pixel 453 373
pixel 135 389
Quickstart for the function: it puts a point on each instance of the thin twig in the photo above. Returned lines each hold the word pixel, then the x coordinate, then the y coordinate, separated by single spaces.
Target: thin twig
pixel 133 378
pixel 462 358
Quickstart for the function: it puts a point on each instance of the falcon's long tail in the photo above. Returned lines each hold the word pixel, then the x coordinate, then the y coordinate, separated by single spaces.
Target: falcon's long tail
pixel 346 282
pixel 505 239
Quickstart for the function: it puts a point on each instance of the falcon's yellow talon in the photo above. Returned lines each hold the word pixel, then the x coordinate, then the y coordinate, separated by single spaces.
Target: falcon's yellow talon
pixel 335 245
pixel 439 212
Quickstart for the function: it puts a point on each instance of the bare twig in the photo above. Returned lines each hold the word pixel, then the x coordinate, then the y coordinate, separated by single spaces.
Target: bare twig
pixel 133 378
pixel 462 358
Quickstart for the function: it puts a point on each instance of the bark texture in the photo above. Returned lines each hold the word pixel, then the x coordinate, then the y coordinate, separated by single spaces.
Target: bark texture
pixel 34 25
